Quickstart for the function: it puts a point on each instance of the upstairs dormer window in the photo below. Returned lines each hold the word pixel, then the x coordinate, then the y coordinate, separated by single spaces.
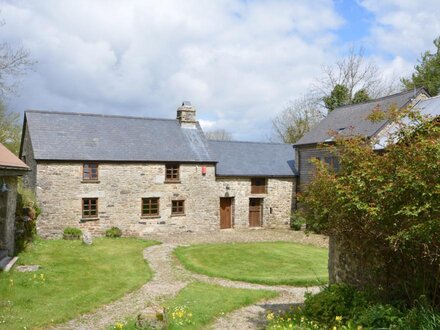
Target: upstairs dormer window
pixel 258 186
pixel 90 172
pixel 172 173
pixel 332 162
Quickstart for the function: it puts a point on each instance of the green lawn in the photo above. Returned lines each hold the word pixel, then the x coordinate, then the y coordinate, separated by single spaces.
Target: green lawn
pixel 199 304
pixel 74 279
pixel 270 263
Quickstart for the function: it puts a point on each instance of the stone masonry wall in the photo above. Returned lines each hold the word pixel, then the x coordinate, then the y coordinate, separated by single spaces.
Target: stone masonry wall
pixel 120 189
pixel 7 214
pixel 277 202
pixel 27 155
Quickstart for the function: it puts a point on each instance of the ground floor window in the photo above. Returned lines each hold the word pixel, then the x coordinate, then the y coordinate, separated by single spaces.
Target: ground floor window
pixel 178 207
pixel 150 206
pixel 90 207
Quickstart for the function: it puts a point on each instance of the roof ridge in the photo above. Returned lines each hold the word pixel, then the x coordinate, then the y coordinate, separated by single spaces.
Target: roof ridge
pixel 95 115
pixel 251 142
pixel 415 91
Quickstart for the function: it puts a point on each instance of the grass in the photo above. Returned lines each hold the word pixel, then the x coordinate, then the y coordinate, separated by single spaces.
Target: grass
pixel 199 304
pixel 271 263
pixel 74 279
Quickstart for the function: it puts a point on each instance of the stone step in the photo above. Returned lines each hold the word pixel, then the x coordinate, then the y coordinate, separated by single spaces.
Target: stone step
pixel 7 262
pixel 4 262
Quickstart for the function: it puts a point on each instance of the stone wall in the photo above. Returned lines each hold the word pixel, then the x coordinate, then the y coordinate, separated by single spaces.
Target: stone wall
pixel 351 267
pixel 7 213
pixel 277 202
pixel 27 155
pixel 120 190
pixel 121 187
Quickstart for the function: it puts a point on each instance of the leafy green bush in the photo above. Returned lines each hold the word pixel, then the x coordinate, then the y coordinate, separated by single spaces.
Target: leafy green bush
pixel 296 221
pixel 335 300
pixel 72 233
pixel 422 316
pixel 27 211
pixel 378 316
pixel 383 208
pixel 341 307
pixel 113 232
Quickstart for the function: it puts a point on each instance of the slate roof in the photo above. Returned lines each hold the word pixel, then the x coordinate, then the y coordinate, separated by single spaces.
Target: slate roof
pixel 429 106
pixel 253 159
pixel 353 119
pixel 77 136
pixel 9 161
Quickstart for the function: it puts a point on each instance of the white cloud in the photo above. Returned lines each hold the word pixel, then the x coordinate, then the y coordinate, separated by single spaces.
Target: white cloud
pixel 404 28
pixel 237 61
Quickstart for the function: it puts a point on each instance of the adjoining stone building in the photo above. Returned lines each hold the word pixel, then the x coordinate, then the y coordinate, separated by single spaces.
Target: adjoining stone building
pixel 146 175
pixel 10 169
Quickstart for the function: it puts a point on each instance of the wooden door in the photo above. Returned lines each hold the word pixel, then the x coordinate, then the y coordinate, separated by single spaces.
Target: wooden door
pixel 255 212
pixel 225 212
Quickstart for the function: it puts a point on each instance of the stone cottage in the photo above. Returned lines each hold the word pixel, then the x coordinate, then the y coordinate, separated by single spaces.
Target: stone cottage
pixel 147 175
pixel 10 169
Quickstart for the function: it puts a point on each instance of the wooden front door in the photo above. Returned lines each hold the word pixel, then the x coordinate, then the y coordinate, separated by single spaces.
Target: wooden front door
pixel 255 212
pixel 225 212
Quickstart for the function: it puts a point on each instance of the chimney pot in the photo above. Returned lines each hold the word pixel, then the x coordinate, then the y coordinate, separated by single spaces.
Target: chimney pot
pixel 186 115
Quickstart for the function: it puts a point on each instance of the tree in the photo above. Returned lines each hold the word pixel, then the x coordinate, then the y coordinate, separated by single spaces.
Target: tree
pixel 383 209
pixel 218 134
pixel 353 79
pixel 296 119
pixel 427 73
pixel 10 129
pixel 339 96
pixel 13 63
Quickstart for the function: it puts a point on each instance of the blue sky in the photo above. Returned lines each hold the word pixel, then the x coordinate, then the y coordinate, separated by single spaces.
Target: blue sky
pixel 239 62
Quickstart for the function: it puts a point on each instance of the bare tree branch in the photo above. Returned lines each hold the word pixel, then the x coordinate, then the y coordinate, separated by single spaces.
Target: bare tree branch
pixel 296 119
pixel 219 134
pixel 13 63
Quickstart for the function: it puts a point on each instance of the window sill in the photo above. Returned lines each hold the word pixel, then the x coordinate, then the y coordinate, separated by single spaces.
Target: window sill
pixel 178 215
pixel 150 217
pixel 88 219
pixel 90 181
pixel 172 181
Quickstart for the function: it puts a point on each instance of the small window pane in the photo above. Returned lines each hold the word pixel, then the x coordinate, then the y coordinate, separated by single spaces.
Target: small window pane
pixel 90 171
pixel 150 206
pixel 178 207
pixel 172 172
pixel 90 207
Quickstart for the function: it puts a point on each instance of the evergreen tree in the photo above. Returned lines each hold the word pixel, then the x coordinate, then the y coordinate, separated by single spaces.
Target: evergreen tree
pixel 427 73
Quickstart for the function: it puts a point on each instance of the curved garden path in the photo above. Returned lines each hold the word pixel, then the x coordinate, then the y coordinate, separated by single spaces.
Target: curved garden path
pixel 169 277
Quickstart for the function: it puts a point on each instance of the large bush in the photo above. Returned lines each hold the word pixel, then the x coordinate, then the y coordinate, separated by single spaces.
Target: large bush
pixel 384 207
pixel 27 212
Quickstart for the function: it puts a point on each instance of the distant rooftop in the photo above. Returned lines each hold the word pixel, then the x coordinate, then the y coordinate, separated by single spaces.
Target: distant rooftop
pixel 9 161
pixel 353 119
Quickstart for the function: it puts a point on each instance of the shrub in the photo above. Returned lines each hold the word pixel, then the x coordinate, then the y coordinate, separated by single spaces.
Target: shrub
pixel 422 316
pixel 72 233
pixel 113 232
pixel 378 316
pixel 27 211
pixel 382 209
pixel 335 300
pixel 296 221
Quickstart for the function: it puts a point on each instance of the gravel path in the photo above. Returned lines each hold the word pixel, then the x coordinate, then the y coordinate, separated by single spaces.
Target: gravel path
pixel 170 277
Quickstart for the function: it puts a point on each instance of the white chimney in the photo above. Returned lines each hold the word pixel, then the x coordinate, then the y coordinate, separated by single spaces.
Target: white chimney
pixel 186 114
